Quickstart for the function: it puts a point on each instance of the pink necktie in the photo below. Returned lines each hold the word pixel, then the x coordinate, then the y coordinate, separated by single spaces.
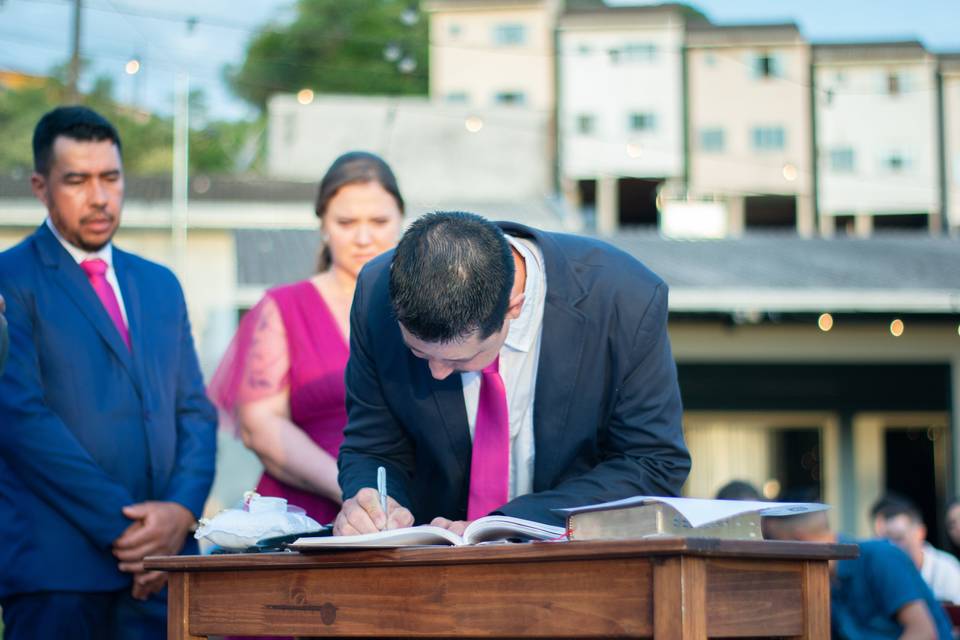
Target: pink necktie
pixel 96 270
pixel 490 463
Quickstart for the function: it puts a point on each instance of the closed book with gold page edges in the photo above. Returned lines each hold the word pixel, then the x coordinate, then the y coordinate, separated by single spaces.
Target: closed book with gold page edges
pixel 657 519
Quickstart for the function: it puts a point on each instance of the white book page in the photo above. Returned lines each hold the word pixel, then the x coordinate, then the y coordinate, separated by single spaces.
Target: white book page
pixel 405 537
pixel 503 527
pixel 701 511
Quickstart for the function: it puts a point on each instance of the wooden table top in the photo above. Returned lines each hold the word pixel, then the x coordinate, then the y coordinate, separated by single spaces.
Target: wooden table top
pixel 531 552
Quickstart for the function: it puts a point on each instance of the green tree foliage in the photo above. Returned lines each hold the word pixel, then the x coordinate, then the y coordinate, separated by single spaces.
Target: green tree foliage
pixel 337 46
pixel 216 147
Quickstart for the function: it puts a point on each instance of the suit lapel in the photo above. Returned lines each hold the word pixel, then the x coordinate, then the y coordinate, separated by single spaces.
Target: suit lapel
pixel 448 394
pixel 561 351
pixel 132 303
pixel 70 278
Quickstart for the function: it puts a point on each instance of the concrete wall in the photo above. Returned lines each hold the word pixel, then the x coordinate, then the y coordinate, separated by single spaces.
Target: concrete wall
pixel 467 60
pixel 856 112
pixel 435 156
pixel 598 78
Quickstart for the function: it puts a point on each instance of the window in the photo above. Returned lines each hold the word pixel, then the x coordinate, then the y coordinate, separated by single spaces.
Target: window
pixel 768 138
pixel 710 60
pixel 510 98
pixel 584 49
pixel 642 121
pixel 766 65
pixel 893 84
pixel 639 52
pixel 509 34
pixel 711 140
pixel 454 30
pixel 457 97
pixel 896 162
pixel 586 124
pixel 841 160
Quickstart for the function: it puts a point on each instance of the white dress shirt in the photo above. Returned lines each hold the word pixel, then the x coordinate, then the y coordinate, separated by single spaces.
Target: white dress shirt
pixel 519 359
pixel 941 572
pixel 105 253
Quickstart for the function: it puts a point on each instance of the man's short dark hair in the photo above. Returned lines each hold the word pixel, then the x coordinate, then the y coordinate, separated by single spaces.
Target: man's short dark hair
pixel 892 505
pixel 451 276
pixel 76 123
pixel 738 490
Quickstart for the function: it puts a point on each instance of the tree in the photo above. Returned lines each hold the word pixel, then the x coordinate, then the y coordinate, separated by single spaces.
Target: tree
pixel 332 46
pixel 216 147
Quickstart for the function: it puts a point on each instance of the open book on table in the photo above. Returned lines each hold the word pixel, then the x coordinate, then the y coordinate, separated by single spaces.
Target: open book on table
pixel 486 529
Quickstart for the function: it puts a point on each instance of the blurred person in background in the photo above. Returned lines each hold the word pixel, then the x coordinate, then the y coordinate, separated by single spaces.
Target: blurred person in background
pixel 953 525
pixel 878 594
pixel 738 490
pixel 898 520
pixel 107 440
pixel 282 376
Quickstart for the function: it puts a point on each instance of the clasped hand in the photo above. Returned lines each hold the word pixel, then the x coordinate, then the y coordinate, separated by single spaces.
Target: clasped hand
pixel 158 528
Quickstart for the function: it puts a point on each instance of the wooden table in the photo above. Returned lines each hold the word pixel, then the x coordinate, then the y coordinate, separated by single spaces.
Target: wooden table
pixel 668 588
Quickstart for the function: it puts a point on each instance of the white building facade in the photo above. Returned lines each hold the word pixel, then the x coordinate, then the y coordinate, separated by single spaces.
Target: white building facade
pixel 749 121
pixel 877 135
pixel 950 77
pixel 486 53
pixel 620 104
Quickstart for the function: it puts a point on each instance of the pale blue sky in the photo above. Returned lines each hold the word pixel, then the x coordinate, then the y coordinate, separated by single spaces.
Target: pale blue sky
pixel 34 35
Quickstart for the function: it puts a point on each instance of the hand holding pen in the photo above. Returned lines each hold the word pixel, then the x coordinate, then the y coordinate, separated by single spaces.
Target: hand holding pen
pixel 371 510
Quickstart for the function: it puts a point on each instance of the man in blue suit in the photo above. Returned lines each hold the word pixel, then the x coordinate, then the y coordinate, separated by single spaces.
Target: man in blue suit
pixel 107 442
pixel 555 344
pixel 4 338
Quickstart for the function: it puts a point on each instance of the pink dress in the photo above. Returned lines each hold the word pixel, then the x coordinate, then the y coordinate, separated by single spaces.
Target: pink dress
pixel 290 340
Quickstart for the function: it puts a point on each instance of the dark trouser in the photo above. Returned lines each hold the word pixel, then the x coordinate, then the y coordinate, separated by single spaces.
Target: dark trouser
pixel 57 615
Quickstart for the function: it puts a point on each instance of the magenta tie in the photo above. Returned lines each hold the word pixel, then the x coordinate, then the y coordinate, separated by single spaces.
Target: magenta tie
pixel 96 270
pixel 490 463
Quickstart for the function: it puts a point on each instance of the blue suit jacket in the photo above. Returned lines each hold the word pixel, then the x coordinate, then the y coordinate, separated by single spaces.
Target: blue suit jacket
pixel 88 426
pixel 607 411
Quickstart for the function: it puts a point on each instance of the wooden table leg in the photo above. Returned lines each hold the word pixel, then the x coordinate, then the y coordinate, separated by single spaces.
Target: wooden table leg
pixel 680 599
pixel 816 600
pixel 178 607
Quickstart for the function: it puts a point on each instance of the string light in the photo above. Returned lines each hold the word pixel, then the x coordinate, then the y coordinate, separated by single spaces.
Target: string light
pixel 132 66
pixel 473 124
pixel 825 322
pixel 896 327
pixel 305 96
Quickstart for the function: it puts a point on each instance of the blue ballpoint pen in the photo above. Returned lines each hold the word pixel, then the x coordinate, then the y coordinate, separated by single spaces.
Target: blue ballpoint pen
pixel 382 490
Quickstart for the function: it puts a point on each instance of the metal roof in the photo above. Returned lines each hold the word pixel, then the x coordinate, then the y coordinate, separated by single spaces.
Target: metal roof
pixel 887 272
pixel 901 272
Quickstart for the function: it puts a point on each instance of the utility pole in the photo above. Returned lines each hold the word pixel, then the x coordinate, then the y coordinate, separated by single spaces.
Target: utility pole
pixel 73 94
pixel 181 163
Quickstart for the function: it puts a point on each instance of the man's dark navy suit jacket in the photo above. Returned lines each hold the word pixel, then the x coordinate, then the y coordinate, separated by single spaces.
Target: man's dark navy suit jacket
pixel 607 410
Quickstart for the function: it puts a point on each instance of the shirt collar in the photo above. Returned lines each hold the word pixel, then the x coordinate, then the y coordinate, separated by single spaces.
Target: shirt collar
pixel 79 255
pixel 525 329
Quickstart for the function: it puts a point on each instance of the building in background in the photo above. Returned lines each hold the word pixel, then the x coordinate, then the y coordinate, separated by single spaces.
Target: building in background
pixel 486 53
pixel 493 159
pixel 620 110
pixel 877 137
pixel 748 91
pixel 950 132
